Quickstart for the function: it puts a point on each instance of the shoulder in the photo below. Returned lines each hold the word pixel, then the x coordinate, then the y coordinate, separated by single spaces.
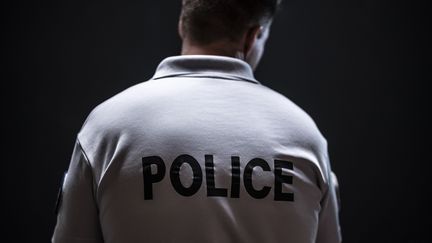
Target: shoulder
pixel 290 111
pixel 107 120
pixel 297 128
pixel 106 113
pixel 114 112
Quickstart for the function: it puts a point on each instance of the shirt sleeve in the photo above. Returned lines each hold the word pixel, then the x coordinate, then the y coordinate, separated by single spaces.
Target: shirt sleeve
pixel 77 215
pixel 328 226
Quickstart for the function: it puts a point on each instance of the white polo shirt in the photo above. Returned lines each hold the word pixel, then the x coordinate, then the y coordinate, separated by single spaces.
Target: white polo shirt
pixel 202 152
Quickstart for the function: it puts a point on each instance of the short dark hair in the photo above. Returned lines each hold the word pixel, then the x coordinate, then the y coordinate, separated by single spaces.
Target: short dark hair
pixel 205 21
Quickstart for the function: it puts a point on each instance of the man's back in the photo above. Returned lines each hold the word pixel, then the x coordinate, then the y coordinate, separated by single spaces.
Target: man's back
pixel 201 153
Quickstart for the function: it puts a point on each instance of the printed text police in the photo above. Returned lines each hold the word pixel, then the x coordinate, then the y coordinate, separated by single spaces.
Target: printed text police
pixel 187 191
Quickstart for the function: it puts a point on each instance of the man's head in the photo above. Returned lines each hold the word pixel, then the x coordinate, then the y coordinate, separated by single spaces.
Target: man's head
pixel 237 28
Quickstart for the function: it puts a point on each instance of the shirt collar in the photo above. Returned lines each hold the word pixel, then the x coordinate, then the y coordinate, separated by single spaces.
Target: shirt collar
pixel 205 66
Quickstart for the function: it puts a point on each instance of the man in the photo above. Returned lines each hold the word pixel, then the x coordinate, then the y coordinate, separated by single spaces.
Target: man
pixel 202 152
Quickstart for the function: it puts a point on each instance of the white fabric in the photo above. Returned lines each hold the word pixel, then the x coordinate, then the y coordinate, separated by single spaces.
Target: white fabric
pixel 198 106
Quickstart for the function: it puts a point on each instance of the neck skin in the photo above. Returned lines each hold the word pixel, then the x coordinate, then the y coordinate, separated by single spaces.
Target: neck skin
pixel 219 48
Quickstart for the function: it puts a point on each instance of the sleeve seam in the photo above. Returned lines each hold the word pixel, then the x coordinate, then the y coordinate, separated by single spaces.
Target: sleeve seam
pixel 87 161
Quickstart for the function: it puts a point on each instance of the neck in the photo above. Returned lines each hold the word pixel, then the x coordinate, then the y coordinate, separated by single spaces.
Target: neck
pixel 214 48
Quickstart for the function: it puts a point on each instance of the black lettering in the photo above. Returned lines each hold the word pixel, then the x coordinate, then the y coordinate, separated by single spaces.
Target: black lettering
pixel 150 178
pixel 247 177
pixel 212 191
pixel 235 176
pixel 175 175
pixel 280 179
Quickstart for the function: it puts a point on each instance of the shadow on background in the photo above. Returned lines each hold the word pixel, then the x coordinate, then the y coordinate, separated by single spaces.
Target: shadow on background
pixel 359 68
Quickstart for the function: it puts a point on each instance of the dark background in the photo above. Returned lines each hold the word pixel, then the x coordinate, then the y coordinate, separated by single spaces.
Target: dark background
pixel 359 68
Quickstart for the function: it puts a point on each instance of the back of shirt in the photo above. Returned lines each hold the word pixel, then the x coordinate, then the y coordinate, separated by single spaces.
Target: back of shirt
pixel 201 153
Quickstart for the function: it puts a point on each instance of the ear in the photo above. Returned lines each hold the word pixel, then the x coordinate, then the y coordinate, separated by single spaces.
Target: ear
pixel 180 28
pixel 252 34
